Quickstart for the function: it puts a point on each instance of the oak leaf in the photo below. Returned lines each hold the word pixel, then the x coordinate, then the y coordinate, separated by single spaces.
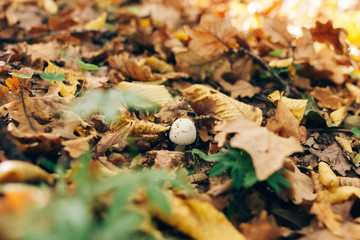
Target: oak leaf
pixel 267 150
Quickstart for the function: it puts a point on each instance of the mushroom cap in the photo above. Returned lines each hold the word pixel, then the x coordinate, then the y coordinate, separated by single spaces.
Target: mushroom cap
pixel 183 132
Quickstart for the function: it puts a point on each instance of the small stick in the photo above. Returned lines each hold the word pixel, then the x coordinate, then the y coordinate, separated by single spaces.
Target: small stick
pixel 24 107
pixel 330 130
pixel 263 64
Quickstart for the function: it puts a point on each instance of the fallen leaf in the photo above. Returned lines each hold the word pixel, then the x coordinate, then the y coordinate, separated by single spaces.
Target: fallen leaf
pixel 240 88
pixel 156 94
pixel 338 116
pixel 285 124
pixel 304 47
pixel 326 216
pixel 263 227
pixel 325 32
pixel 267 150
pixel 96 24
pixel 354 91
pixel 326 98
pixel 302 187
pixel 77 147
pixel 345 144
pixel 276 30
pixel 296 106
pixel 227 108
pixel 203 221
pixel 19 171
pixel 176 108
pixel 165 159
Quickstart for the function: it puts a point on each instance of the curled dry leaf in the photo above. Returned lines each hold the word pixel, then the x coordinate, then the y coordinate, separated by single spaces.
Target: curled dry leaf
pixel 285 124
pixel 338 116
pixel 19 171
pixel 203 221
pixel 302 187
pixel 304 47
pixel 96 24
pixel 17 84
pixel 296 106
pixel 327 177
pixel 227 108
pixel 276 30
pixel 345 144
pixel 267 150
pixel 77 147
pixel 156 94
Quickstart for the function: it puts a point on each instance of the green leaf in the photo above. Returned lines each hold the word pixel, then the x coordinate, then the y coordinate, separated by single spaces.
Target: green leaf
pixel 218 169
pixel 237 175
pixel 250 179
pixel 158 199
pixel 276 181
pixel 276 52
pixel 52 76
pixel 212 158
pixel 19 75
pixel 86 66
pixel 356 132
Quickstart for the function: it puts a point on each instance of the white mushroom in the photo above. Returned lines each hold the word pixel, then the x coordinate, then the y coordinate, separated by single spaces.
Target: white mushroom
pixel 182 133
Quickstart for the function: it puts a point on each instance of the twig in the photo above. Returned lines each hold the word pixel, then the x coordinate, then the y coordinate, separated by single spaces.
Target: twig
pixel 24 107
pixel 263 64
pixel 330 130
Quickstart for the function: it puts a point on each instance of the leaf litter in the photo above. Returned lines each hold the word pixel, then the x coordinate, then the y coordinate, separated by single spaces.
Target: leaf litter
pixel 89 90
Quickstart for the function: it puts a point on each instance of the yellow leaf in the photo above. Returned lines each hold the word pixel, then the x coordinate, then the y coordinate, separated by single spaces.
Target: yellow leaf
pixel 49 5
pixel 296 106
pixel 200 220
pixel 158 65
pixel 349 20
pixel 156 94
pixel 96 24
pixel 19 171
pixel 328 177
pixel 281 63
pixel 354 91
pixel 338 116
pixel 227 108
pixel 345 144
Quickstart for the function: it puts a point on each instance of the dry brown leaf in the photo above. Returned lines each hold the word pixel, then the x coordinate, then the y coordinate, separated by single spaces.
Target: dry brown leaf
pixel 77 147
pixel 267 150
pixel 354 91
pixel 17 84
pixel 164 159
pixel 174 109
pixel 227 108
pixel 326 98
pixel 296 106
pixel 302 187
pixel 275 28
pixel 212 37
pixel 285 124
pixel 325 32
pixel 240 88
pixel 335 157
pixel 263 227
pixel 200 220
pixel 156 94
pixel 304 47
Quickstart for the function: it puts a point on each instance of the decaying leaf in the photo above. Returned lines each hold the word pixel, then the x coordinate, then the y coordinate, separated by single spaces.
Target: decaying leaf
pixel 203 221
pixel 338 116
pixel 77 147
pixel 227 108
pixel 174 109
pixel 17 84
pixel 345 144
pixel 156 94
pixel 18 171
pixel 267 150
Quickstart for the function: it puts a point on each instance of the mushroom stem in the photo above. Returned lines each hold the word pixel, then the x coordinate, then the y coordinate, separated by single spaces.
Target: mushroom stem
pixel 180 148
